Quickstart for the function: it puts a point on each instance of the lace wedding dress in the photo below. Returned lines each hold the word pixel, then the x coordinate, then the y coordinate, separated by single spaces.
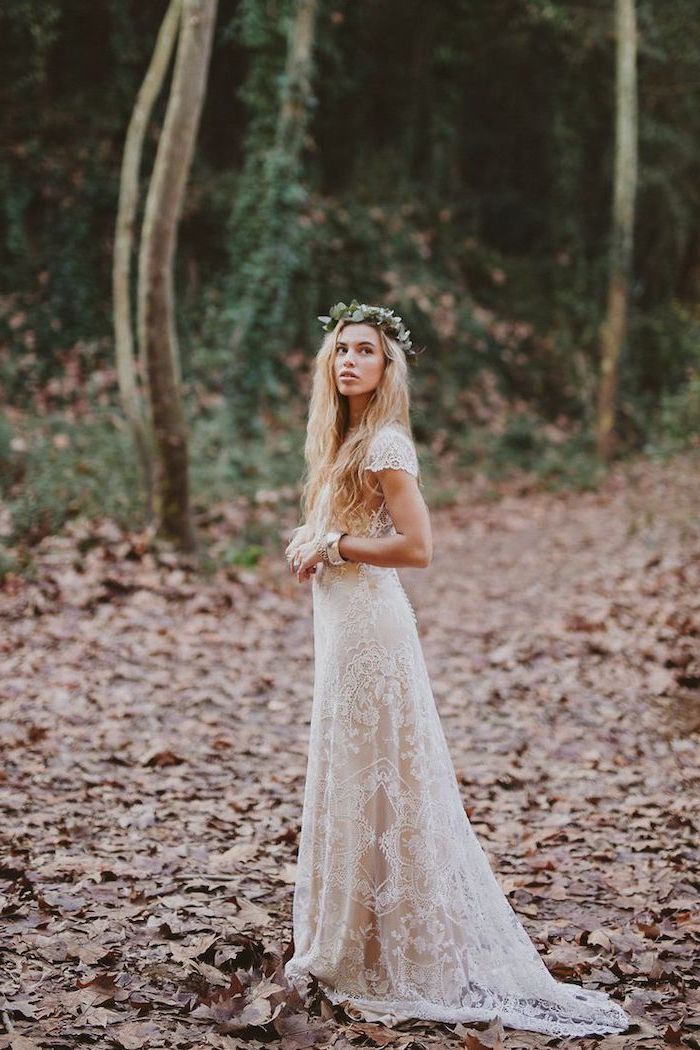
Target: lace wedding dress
pixel 396 910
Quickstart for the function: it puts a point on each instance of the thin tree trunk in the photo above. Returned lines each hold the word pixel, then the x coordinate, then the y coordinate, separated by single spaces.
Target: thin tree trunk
pixel 132 402
pixel 264 296
pixel 293 114
pixel 157 333
pixel 614 327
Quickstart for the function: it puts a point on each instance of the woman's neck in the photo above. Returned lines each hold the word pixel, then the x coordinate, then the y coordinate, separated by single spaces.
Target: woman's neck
pixel 356 406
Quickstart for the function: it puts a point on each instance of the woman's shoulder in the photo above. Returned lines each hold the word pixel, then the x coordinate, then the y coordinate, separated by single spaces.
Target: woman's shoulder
pixel 392 446
pixel 392 429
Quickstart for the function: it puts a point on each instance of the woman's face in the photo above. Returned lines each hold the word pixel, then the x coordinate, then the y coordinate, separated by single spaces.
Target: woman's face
pixel 359 361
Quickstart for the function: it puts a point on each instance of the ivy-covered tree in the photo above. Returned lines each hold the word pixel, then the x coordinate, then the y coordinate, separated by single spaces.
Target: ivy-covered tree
pixel 270 247
pixel 454 190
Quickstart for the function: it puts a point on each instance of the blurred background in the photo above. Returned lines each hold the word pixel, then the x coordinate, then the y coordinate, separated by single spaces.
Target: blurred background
pixel 455 161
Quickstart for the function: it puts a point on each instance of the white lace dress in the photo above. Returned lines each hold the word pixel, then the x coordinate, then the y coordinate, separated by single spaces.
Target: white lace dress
pixel 396 910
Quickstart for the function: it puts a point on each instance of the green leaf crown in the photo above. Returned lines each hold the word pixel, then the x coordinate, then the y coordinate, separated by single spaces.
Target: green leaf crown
pixel 381 316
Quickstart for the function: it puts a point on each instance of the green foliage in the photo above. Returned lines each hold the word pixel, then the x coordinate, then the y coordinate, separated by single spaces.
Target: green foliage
pixel 221 463
pixel 558 460
pixel 519 442
pixel 248 555
pixel 680 414
pixel 657 374
pixel 473 197
pixel 55 468
pixel 70 469
pixel 676 424
pixel 269 252
pixel 8 462
pixel 8 563
pixel 64 70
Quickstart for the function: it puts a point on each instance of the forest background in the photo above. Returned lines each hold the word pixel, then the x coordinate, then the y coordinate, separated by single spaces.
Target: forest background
pixel 505 174
pixel 452 160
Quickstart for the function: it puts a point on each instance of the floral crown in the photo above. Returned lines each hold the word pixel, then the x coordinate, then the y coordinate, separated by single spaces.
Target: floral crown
pixel 381 316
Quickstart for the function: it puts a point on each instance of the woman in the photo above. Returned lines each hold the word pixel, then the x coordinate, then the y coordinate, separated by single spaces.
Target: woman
pixel 397 912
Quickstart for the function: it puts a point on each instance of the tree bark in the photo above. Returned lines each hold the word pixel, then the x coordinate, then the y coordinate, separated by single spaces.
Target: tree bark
pixel 293 114
pixel 266 286
pixel 614 327
pixel 157 332
pixel 131 399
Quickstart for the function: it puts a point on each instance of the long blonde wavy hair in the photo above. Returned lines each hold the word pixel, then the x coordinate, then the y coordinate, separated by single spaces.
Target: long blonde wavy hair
pixel 334 454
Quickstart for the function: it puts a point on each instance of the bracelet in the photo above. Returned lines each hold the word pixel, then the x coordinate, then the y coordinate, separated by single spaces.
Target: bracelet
pixel 322 549
pixel 333 546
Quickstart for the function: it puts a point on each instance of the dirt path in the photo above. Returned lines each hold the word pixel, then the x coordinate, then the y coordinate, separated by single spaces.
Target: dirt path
pixel 155 744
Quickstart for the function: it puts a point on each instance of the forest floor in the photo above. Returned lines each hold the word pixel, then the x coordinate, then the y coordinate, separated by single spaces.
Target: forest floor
pixel 155 729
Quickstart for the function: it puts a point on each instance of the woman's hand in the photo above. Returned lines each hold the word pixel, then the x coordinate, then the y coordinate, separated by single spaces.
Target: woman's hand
pixel 303 560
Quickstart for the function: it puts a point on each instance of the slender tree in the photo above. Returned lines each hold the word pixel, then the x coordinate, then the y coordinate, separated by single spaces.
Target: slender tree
pixel 135 410
pixel 156 321
pixel 614 327
pixel 292 121
pixel 274 194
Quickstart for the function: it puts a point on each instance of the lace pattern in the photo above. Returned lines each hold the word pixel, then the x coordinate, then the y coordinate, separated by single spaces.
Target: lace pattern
pixel 396 909
pixel 392 447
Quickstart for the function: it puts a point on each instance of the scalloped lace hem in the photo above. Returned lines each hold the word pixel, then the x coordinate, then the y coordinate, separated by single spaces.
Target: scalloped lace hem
pixel 611 1017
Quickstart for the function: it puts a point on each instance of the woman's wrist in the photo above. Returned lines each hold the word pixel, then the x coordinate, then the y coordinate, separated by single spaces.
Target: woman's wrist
pixel 332 550
pixel 337 544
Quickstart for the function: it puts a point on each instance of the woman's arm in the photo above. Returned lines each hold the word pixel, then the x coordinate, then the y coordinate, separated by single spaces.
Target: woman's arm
pixel 413 544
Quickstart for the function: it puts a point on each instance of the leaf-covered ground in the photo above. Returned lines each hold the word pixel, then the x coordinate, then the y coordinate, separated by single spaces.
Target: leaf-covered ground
pixel 155 728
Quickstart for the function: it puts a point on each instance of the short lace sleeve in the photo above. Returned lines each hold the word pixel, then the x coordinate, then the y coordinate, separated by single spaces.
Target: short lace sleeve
pixel 392 447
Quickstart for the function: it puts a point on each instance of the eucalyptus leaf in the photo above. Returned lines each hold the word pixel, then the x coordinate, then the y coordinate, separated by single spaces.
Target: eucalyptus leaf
pixel 381 316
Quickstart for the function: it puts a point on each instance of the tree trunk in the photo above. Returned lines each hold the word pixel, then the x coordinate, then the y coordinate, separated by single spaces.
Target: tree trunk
pixel 123 248
pixel 293 114
pixel 157 333
pixel 275 261
pixel 614 327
